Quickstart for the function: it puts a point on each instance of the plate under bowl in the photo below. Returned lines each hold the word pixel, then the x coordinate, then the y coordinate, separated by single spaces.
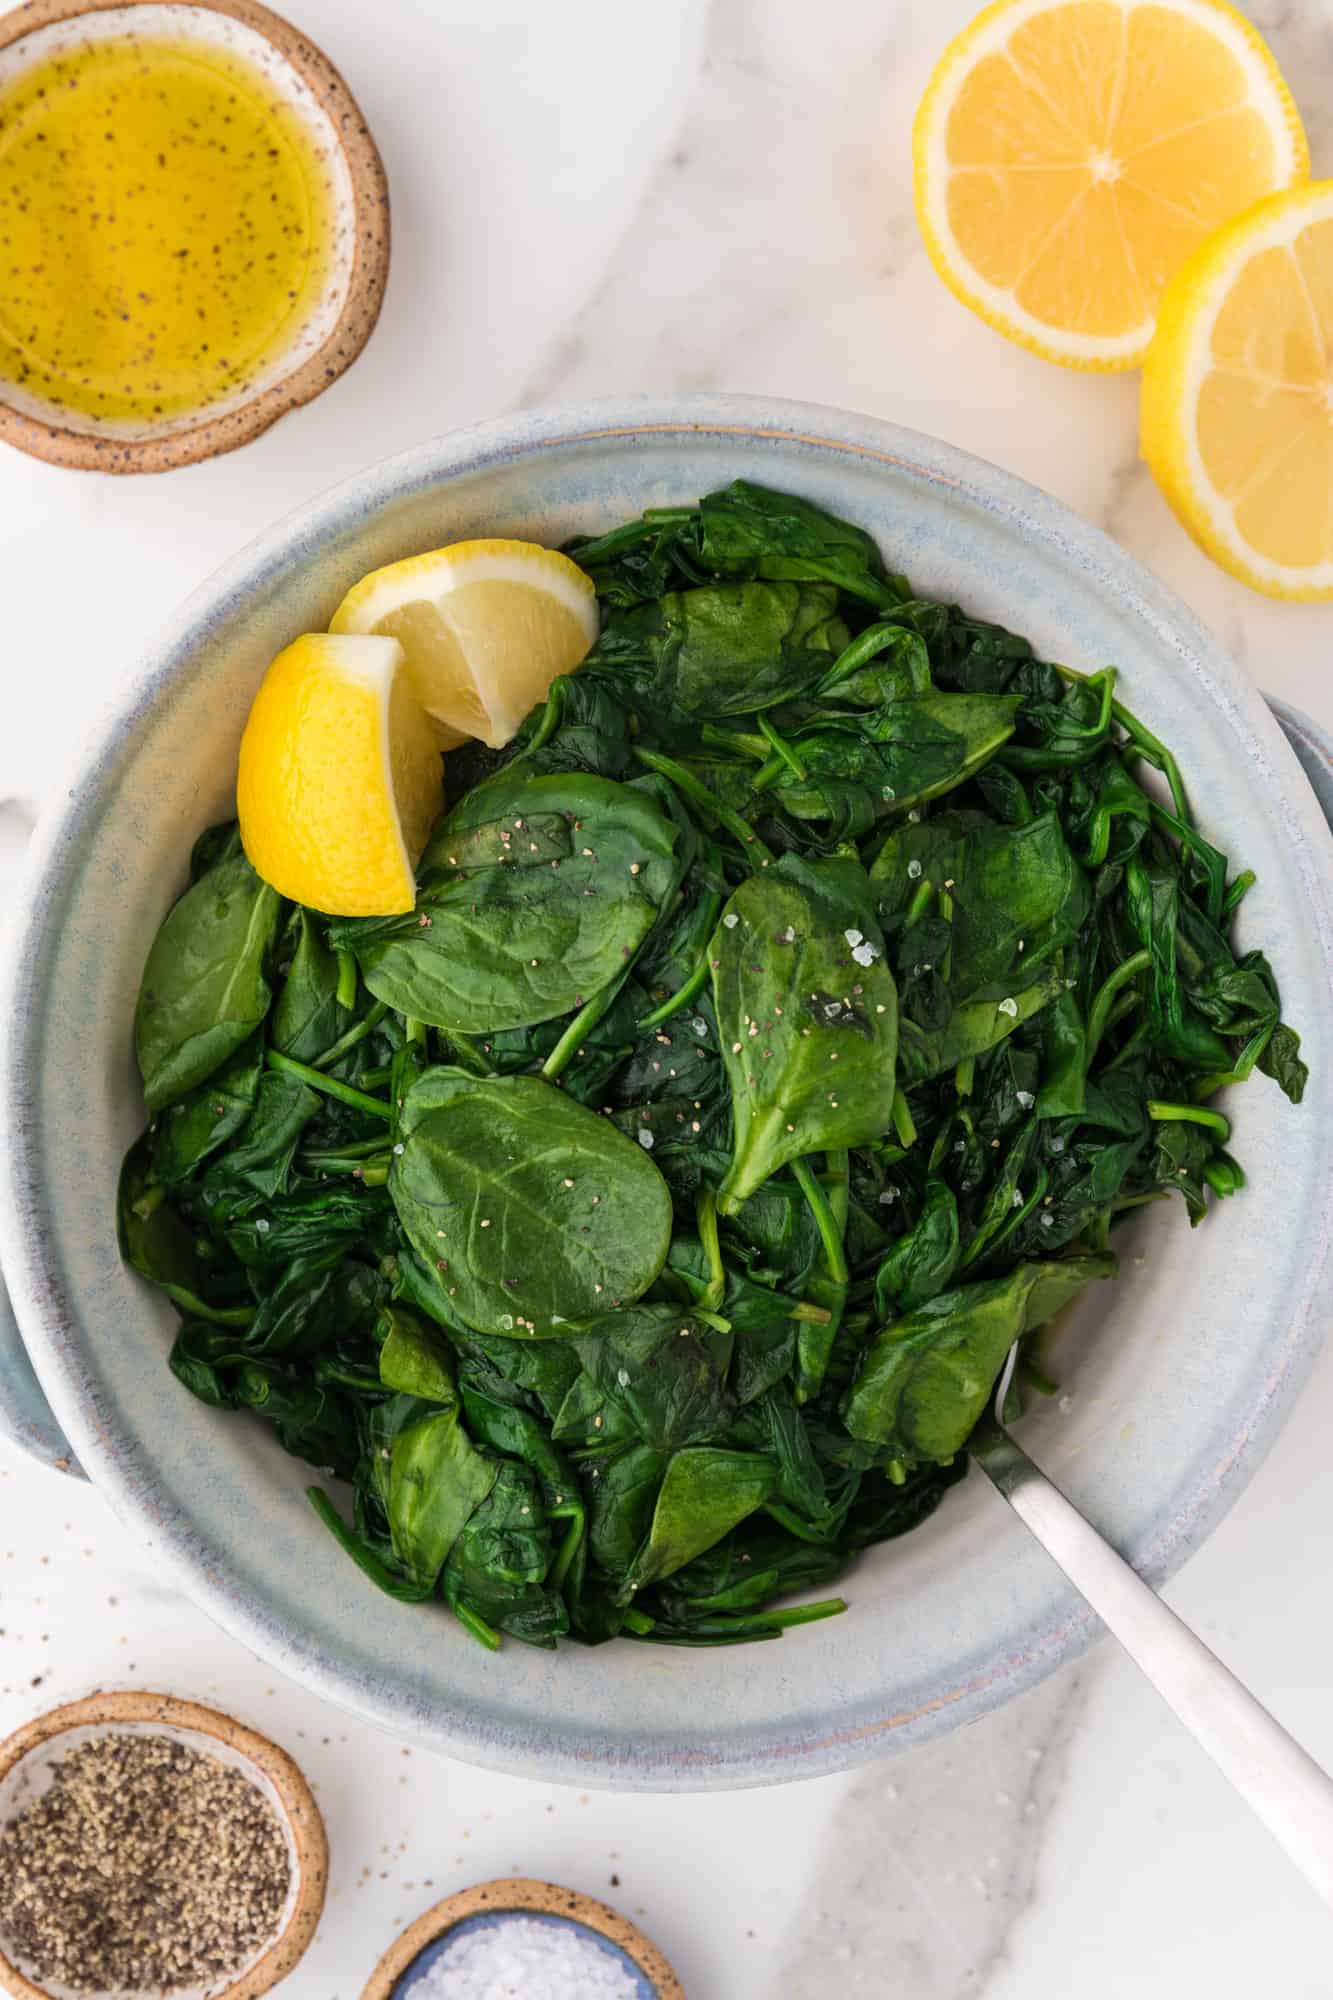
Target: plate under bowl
pixel 1179 1374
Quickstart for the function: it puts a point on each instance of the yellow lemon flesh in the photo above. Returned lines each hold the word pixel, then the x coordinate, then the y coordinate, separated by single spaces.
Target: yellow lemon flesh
pixel 339 778
pixel 1069 153
pixel 486 626
pixel 1237 410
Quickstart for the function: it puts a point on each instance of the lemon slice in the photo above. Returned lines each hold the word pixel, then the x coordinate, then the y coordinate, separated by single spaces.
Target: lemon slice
pixel 339 777
pixel 1237 410
pixel 487 626
pixel 1070 153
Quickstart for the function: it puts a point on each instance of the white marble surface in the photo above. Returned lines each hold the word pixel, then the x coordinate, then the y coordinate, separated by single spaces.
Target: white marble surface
pixel 593 197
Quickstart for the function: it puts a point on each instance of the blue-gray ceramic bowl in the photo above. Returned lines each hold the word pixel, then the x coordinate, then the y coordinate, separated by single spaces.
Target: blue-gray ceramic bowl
pixel 1179 1374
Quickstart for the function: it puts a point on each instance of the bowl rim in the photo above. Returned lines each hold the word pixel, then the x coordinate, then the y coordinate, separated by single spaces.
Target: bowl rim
pixel 506 1893
pixel 113 1708
pixel 84 451
pixel 29 1248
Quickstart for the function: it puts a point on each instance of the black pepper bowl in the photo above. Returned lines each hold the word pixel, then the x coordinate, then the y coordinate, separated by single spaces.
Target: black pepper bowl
pixel 26 1759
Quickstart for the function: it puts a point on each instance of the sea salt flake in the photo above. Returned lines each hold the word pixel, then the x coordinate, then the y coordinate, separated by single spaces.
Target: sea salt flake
pixel 864 954
pixel 1025 1099
pixel 1009 1007
pixel 913 871
pixel 645 1139
pixel 853 937
pixel 731 920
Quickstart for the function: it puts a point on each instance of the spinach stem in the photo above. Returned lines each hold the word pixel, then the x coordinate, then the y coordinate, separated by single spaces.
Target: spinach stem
pixel 334 1156
pixel 1224 1175
pixel 356 1033
pixel 636 1621
pixel 682 995
pixel 551 717
pixel 364 1166
pixel 589 1014
pixel 804 1614
pixel 830 1235
pixel 965 1076
pixel 344 1092
pixel 865 647
pixel 1207 1086
pixel 473 1622
pixel 733 740
pixel 902 1119
pixel 347 980
pixel 1189 1114
pixel 685 781
pixel 341 1375
pixel 781 748
pixel 1099 1012
pixel 922 897
pixel 1238 891
pixel 617 540
pixel 574 1513
pixel 710 1298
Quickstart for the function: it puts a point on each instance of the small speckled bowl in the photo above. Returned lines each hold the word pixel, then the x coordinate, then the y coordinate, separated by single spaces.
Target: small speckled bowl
pixel 323 341
pixel 410 1957
pixel 26 1759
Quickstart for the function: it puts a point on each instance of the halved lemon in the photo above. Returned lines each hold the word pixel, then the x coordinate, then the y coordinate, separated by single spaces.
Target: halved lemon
pixel 1070 153
pixel 1237 409
pixel 339 777
pixel 486 626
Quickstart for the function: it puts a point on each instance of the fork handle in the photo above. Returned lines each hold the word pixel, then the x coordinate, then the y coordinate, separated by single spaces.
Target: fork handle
pixel 1279 1780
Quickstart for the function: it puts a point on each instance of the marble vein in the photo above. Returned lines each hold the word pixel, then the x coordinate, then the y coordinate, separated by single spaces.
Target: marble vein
pixel 930 1861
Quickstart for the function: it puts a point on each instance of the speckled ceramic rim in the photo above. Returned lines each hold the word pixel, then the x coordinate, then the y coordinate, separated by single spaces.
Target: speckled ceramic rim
pixel 521 1892
pixel 169 1711
pixel 83 452
pixel 1017 1659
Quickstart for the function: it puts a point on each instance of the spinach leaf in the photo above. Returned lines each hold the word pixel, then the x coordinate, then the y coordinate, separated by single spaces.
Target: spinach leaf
pixel 533 1211
pixel 911 750
pixel 807 1013
pixel 306 1018
pixel 435 1481
pixel 923 1260
pixel 925 1378
pixel 160 1243
pixel 207 1117
pixel 411 1362
pixel 497 1566
pixel 748 530
pixel 205 986
pixel 535 892
pixel 729 648
pixel 658 1366
pixel 706 1492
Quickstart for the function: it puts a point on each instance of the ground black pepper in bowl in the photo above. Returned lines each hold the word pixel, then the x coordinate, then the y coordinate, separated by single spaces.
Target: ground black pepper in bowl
pixel 145 1867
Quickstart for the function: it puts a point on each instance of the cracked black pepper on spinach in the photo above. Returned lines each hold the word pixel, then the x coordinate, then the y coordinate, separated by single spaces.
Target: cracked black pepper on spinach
pixel 787 1020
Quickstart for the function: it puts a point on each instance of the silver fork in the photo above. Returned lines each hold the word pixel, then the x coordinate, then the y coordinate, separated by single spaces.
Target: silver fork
pixel 1279 1780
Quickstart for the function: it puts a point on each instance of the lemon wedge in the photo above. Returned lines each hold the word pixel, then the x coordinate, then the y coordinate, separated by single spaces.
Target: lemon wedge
pixel 1237 406
pixel 486 626
pixel 1068 154
pixel 339 778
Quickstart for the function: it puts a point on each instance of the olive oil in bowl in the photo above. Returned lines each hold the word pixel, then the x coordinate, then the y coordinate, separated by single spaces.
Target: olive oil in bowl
pixel 170 220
